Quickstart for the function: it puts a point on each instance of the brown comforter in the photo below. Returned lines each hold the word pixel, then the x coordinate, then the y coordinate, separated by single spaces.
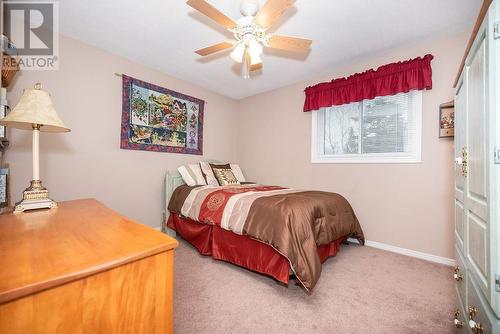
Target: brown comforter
pixel 295 223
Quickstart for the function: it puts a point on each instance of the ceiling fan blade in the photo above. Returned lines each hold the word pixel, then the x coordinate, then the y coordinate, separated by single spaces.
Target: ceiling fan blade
pixel 212 12
pixel 271 12
pixel 289 43
pixel 256 67
pixel 214 48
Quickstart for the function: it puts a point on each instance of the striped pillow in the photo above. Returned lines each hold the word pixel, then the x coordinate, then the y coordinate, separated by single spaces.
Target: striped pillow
pixel 196 170
pixel 191 175
pixel 208 174
pixel 187 176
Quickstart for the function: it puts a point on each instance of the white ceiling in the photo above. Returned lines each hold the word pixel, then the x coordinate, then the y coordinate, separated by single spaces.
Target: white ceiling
pixel 163 34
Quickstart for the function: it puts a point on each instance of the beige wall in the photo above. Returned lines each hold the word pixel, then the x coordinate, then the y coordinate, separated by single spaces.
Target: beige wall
pixel 405 205
pixel 88 161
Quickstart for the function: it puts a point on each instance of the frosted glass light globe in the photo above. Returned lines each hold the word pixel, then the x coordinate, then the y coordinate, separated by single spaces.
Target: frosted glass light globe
pixel 255 60
pixel 238 53
pixel 249 7
pixel 255 48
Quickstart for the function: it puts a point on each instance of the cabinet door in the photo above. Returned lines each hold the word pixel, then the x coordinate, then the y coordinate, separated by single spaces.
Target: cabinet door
pixel 494 165
pixel 476 182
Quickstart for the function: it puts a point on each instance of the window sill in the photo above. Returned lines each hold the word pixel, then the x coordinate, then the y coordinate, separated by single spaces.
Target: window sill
pixel 356 161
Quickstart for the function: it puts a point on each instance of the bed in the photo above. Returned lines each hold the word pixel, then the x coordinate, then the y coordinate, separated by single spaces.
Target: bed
pixel 267 229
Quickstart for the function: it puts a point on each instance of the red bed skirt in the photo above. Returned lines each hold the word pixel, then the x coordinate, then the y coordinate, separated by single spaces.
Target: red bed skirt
pixel 212 240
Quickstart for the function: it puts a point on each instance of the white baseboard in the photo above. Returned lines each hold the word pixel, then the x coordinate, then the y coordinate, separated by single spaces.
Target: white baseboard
pixel 408 252
pixel 395 249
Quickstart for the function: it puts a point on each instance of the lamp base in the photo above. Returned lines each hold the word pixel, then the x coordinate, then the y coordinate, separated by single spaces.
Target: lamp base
pixel 35 196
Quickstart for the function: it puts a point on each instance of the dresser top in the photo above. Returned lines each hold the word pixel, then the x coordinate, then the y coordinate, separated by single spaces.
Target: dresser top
pixel 46 248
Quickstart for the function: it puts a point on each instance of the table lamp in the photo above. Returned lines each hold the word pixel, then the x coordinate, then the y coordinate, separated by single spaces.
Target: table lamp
pixel 35 112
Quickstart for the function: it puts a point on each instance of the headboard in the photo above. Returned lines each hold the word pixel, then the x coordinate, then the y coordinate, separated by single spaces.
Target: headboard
pixel 172 181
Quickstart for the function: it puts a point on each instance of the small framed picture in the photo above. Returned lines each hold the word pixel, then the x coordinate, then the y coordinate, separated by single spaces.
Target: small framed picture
pixel 447 120
pixel 3 112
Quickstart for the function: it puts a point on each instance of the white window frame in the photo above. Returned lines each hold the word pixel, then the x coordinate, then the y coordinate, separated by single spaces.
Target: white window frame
pixel 371 158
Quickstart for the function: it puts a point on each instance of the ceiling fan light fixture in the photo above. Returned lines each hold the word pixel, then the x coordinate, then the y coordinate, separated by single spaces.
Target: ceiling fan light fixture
pixel 250 31
pixel 249 7
pixel 238 53
pixel 255 48
pixel 246 66
pixel 255 60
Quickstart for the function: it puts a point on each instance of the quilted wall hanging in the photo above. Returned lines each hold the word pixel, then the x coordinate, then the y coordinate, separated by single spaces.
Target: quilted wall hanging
pixel 160 120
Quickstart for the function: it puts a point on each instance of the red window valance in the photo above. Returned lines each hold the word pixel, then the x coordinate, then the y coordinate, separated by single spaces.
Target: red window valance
pixel 390 79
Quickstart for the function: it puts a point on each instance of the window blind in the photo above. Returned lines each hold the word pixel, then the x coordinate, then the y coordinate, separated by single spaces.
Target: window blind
pixel 383 127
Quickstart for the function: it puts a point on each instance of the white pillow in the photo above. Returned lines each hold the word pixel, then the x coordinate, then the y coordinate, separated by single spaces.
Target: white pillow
pixel 198 175
pixel 186 176
pixel 237 172
pixel 209 174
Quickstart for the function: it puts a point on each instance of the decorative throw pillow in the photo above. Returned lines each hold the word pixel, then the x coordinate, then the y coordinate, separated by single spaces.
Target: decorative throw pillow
pixel 198 175
pixel 224 174
pixel 237 173
pixel 187 176
pixel 208 174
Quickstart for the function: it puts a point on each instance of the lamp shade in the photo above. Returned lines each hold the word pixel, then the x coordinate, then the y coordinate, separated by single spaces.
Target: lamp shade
pixel 35 107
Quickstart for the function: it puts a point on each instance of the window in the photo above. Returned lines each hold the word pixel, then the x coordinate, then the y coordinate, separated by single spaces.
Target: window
pixel 382 130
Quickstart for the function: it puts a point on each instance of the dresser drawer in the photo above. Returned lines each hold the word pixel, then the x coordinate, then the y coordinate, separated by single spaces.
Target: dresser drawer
pixel 477 310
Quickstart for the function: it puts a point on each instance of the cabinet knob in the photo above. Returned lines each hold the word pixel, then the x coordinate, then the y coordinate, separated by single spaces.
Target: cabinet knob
pixel 456 321
pixel 476 327
pixel 456 274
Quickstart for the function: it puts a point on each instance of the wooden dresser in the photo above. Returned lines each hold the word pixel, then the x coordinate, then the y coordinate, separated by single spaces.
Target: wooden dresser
pixel 83 268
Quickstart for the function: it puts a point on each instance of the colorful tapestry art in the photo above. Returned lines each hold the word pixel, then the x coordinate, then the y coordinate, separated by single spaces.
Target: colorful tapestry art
pixel 160 120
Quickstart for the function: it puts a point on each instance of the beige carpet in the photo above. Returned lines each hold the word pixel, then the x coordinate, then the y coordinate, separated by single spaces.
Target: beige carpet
pixel 361 290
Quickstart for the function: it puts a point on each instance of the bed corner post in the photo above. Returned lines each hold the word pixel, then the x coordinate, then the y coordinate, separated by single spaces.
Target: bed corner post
pixel 170 185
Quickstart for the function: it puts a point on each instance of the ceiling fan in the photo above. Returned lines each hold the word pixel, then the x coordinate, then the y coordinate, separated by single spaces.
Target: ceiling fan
pixel 250 32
